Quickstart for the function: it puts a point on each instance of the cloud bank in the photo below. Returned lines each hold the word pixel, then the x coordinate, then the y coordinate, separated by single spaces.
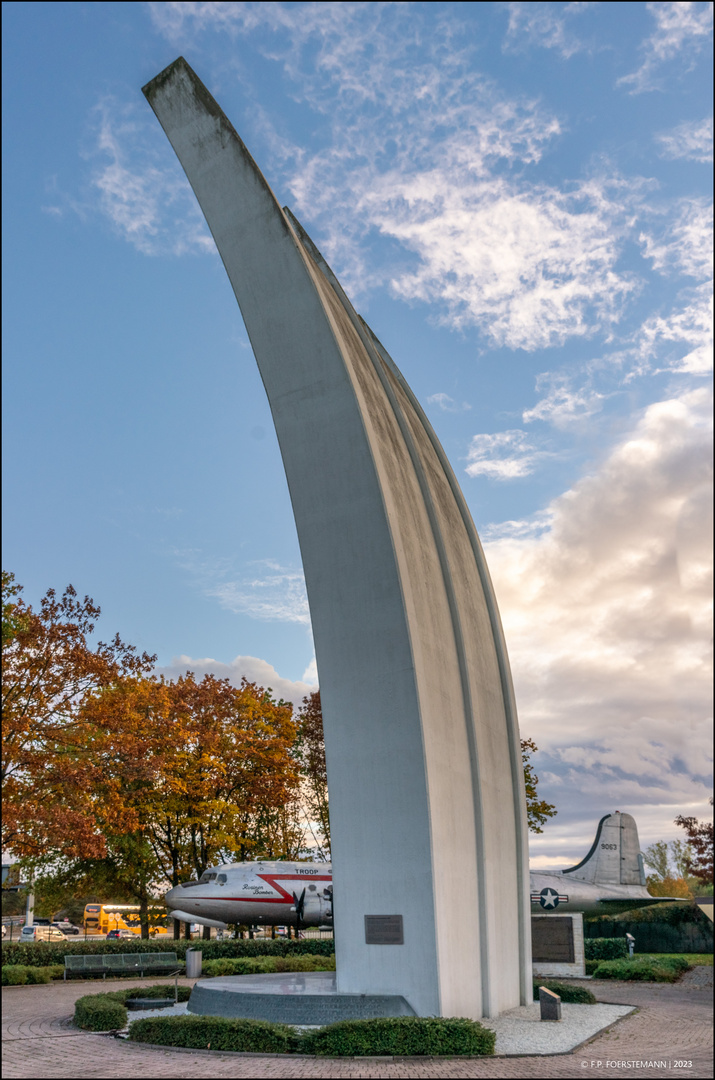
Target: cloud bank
pixel 607 616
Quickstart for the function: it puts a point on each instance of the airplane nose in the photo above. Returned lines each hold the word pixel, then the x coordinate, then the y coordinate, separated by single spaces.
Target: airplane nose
pixel 171 898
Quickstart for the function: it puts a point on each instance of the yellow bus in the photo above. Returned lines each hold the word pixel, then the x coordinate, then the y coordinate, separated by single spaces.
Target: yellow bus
pixel 101 918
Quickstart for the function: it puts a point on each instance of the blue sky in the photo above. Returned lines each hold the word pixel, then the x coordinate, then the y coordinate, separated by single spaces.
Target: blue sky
pixel 517 197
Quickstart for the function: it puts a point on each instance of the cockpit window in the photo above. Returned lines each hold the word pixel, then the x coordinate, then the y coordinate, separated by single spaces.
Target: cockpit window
pixel 207 877
pixel 221 879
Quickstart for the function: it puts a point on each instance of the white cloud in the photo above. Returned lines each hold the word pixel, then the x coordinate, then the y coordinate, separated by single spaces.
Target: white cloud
pixel 607 618
pixel 448 404
pixel 528 265
pixel 681 31
pixel 250 667
pixel 140 189
pixel 692 140
pixel 565 402
pixel 543 25
pixel 685 244
pixel 413 136
pixel 424 151
pixel 277 594
pixel 507 455
pixel 688 327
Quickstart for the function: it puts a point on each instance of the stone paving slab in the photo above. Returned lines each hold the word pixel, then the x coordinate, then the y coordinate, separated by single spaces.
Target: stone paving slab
pixel 671 1032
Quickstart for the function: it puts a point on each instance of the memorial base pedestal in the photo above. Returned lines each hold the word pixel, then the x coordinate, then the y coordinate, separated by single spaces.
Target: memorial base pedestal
pixel 308 998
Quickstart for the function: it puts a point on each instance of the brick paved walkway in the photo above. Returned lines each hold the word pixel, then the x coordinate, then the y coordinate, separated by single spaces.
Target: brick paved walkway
pixel 673 1024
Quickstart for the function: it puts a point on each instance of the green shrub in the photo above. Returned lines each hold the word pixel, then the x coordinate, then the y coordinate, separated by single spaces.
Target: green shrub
pixel 20 974
pixel 572 995
pixel 238 966
pixel 591 966
pixel 304 963
pixel 42 953
pixel 14 974
pixel 38 974
pixel 266 964
pixel 673 914
pixel 100 1012
pixel 158 991
pixel 215 1033
pixel 410 1036
pixel 603 948
pixel 653 969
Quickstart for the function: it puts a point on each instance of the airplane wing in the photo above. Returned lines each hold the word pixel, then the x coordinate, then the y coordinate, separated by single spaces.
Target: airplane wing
pixel 643 902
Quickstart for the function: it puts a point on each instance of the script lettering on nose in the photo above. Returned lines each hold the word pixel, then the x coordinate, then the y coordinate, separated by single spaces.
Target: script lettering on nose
pixel 384 930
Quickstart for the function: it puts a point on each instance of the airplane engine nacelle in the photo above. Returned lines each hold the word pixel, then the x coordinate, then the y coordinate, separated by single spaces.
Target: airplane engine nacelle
pixel 317 909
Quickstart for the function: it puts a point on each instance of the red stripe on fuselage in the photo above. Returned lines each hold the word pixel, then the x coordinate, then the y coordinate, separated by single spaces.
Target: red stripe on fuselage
pixel 272 880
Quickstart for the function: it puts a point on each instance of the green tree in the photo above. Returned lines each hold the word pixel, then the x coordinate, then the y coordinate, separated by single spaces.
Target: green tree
pixel 700 847
pixel 538 810
pixel 656 856
pixel 311 756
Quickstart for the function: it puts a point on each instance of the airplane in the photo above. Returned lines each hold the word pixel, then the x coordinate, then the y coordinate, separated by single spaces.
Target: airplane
pixel 610 878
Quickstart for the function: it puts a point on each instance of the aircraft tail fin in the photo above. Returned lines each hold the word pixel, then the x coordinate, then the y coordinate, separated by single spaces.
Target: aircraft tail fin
pixel 614 858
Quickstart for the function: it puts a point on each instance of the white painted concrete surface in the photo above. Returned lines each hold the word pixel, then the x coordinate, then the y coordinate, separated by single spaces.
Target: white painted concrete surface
pixel 427 805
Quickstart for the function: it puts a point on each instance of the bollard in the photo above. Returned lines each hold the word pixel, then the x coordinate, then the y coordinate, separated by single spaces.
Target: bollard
pixel 194 958
pixel 550 1004
pixel 631 944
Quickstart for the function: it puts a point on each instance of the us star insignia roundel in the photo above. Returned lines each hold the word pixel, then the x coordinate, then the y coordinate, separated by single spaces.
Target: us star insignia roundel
pixel 549 899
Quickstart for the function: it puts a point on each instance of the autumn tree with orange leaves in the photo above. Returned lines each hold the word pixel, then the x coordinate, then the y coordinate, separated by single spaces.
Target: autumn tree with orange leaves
pixel 193 765
pixel 188 774
pixel 49 667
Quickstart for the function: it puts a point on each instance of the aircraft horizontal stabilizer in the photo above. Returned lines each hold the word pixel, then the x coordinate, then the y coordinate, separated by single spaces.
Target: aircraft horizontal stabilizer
pixel 645 902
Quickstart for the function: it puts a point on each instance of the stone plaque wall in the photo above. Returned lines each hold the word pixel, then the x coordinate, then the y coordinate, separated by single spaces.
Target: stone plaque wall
pixel 557 945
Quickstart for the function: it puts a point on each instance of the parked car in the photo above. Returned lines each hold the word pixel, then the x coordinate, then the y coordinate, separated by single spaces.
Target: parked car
pixel 66 927
pixel 41 933
pixel 119 934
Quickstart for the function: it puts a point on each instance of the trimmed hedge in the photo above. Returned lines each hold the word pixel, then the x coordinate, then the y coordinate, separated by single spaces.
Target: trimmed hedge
pixel 654 969
pixel 107 1011
pixel 21 974
pixel 403 1036
pixel 100 1012
pixel 606 948
pixel 264 965
pixel 672 914
pixel 215 1033
pixel 159 990
pixel 572 995
pixel 41 953
pixel 391 1036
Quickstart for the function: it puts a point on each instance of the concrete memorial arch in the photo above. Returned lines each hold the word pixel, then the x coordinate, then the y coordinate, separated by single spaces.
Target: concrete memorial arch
pixel 427 805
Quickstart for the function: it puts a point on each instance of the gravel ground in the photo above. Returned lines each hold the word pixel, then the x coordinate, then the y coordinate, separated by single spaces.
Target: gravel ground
pixel 521 1031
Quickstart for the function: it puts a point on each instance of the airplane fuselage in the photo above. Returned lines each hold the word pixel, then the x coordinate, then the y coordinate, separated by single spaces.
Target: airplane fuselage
pixel 257 894
pixel 268 894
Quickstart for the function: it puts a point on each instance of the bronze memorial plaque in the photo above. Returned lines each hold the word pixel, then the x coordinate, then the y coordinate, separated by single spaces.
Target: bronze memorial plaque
pixel 552 940
pixel 384 930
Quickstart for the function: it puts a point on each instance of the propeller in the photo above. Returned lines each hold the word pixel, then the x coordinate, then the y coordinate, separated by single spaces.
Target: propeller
pixel 299 902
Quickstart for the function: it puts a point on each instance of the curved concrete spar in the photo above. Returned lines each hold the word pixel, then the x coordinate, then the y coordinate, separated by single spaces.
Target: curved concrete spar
pixel 427 805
